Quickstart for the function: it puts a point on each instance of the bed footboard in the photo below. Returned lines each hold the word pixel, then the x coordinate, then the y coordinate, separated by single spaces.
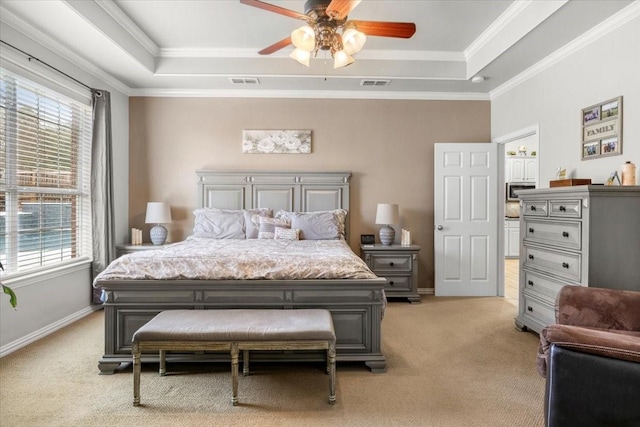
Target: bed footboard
pixel 356 307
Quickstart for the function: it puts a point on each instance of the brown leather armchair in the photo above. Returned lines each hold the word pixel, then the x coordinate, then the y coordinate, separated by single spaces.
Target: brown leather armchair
pixel 591 359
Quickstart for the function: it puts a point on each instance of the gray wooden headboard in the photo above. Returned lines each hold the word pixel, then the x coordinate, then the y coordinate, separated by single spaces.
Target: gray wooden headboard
pixel 290 191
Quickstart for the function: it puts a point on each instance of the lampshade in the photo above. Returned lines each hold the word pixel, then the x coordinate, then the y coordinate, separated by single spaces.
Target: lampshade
pixel 158 213
pixel 387 213
pixel 304 38
pixel 353 40
pixel 302 56
pixel 341 59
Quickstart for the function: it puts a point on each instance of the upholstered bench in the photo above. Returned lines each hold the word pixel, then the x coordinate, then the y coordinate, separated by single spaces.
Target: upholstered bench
pixel 234 331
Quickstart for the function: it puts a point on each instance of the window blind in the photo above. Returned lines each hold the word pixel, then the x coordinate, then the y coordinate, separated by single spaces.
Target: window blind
pixel 45 161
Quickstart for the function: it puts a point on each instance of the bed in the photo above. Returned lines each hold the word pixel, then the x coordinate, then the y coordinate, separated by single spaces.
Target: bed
pixel 355 298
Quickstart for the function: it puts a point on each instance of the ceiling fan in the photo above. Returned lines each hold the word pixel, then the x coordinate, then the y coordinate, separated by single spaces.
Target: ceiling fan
pixel 328 29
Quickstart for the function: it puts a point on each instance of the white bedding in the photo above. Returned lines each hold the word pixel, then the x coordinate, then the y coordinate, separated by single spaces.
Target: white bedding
pixel 220 259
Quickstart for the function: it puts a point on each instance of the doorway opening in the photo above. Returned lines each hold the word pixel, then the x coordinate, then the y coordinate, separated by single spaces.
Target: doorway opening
pixel 519 155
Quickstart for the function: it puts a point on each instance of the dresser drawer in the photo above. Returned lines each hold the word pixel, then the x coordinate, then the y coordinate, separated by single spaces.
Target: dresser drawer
pixel 397 283
pixel 557 233
pixel 542 312
pixel 540 285
pixel 534 208
pixel 563 264
pixel 390 263
pixel 565 208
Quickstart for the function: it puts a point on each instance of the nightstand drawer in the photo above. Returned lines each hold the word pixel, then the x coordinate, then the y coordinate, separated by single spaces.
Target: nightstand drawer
pixel 386 263
pixel 556 233
pixel 398 283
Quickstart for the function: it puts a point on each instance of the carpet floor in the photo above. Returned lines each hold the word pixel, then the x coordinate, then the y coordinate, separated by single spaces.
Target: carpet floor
pixel 450 362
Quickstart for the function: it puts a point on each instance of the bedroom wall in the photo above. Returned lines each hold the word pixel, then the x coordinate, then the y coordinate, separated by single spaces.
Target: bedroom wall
pixel 47 304
pixel 606 68
pixel 386 144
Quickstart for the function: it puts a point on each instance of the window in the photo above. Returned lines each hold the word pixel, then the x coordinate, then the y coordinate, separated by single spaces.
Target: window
pixel 45 160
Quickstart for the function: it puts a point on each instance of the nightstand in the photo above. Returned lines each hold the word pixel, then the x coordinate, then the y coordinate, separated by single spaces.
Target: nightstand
pixel 396 263
pixel 129 248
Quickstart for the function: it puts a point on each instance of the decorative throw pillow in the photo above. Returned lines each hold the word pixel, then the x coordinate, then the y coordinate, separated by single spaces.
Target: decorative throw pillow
pixel 219 224
pixel 252 225
pixel 286 234
pixel 268 226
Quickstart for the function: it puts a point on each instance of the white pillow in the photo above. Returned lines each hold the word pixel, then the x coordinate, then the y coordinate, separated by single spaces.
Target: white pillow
pixel 286 234
pixel 219 224
pixel 252 226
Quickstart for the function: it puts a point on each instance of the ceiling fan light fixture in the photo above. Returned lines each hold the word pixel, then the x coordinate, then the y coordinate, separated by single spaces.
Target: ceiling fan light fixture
pixel 301 55
pixel 342 59
pixel 304 38
pixel 353 40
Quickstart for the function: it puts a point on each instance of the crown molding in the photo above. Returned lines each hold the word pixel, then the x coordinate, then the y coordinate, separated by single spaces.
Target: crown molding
pixel 422 96
pixel 614 22
pixel 129 26
pixel 42 39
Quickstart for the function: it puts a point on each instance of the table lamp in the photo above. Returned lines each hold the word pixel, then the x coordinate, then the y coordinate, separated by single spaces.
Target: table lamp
pixel 386 214
pixel 158 213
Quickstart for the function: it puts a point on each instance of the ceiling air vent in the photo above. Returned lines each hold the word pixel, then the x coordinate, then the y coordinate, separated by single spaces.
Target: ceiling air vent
pixel 375 82
pixel 244 81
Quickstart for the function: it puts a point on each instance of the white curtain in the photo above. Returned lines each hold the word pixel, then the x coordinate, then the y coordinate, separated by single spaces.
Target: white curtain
pixel 101 186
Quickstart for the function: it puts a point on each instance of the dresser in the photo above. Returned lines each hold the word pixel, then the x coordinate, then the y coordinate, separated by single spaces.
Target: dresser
pixel 586 235
pixel 396 263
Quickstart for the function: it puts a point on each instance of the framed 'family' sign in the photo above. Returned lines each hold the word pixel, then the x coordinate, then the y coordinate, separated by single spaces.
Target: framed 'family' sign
pixel 602 129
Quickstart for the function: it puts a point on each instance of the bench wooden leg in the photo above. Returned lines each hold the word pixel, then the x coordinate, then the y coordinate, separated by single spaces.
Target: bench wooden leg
pixel 163 366
pixel 331 358
pixel 234 373
pixel 245 363
pixel 136 374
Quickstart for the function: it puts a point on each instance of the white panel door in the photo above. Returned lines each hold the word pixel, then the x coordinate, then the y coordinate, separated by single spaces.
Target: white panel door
pixel 466 219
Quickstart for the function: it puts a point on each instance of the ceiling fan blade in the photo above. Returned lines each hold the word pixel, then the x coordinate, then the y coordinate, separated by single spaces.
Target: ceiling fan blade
pixel 402 30
pixel 273 8
pixel 276 46
pixel 339 9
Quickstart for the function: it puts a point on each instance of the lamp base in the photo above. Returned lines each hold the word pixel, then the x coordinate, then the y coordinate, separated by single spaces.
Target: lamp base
pixel 387 235
pixel 158 235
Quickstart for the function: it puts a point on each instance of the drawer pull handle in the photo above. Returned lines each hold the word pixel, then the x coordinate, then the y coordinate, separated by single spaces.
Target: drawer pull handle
pixel 529 308
pixel 533 208
pixel 531 230
pixel 391 282
pixel 565 265
pixel 562 208
pixel 530 282
pixel 530 256
pixel 565 234
pixel 391 264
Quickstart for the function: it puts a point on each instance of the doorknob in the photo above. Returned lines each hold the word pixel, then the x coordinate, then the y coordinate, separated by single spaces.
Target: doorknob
pixel 439 227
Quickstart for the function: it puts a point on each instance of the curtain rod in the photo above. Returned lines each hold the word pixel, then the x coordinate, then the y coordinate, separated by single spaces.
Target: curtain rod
pixel 30 57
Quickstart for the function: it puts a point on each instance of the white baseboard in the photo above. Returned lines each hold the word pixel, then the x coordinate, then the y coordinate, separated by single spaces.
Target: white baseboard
pixel 47 330
pixel 426 291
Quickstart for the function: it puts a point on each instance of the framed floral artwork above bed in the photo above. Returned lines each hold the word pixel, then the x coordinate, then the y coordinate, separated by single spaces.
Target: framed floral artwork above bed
pixel 276 141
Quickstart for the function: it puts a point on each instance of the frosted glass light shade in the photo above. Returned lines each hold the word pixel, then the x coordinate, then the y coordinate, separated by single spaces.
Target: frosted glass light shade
pixel 158 213
pixel 353 41
pixel 304 38
pixel 341 59
pixel 302 56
